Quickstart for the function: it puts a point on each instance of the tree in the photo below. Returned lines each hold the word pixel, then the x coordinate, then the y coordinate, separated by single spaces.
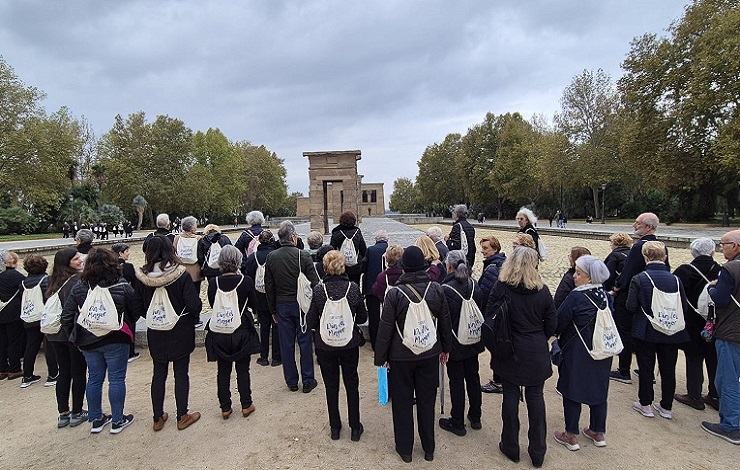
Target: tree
pixel 405 197
pixel 111 214
pixel 438 179
pixel 264 175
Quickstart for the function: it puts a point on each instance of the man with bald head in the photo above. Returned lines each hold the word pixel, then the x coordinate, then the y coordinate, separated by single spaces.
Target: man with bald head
pixel 645 226
pixel 725 292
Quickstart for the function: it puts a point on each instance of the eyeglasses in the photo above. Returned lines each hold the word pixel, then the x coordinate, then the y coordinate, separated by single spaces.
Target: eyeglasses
pixel 726 243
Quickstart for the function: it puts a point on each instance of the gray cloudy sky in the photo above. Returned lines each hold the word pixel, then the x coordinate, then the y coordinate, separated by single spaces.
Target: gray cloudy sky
pixel 386 77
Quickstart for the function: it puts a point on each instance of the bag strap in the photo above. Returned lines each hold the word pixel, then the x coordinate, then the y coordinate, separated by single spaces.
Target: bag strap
pixel 5 304
pixel 700 273
pixel 472 291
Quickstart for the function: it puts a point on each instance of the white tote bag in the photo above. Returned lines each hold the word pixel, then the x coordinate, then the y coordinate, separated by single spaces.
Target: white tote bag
pixel 259 276
pixel 605 341
pixel 419 333
pixel 337 324
pixel 667 310
pixel 161 315
pixel 471 319
pixel 99 314
pixel 32 302
pixel 51 315
pixel 187 249
pixel 226 317
pixel 304 292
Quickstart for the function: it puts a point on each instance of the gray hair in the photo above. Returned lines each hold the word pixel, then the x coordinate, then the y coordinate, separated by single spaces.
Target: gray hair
pixel 380 235
pixel 702 246
pixel 528 214
pixel 435 233
pixel 163 221
pixel 230 259
pixel 594 268
pixel 648 218
pixel 189 223
pixel 84 235
pixel 461 210
pixel 456 259
pixel 255 218
pixel 286 231
pixel 315 239
pixel 3 259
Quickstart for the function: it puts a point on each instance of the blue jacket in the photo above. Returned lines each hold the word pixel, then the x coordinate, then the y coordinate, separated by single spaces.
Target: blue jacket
pixel 580 377
pixel 640 298
pixel 489 276
pixel 372 264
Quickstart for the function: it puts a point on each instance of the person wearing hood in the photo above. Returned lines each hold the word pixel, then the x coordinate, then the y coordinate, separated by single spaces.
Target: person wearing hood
pixel 462 368
pixel 347 229
pixel 233 350
pixel 163 269
pixel 415 373
pixel 582 379
pixel 532 321
pixel 207 253
pixel 11 325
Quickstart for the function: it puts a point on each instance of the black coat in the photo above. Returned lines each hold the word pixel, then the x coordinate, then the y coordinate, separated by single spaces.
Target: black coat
pixel 388 343
pixel 693 284
pixel 372 264
pixel 489 276
pixel 243 342
pixel 250 269
pixel 336 286
pixel 10 288
pixel 615 263
pixel 338 235
pixel 454 241
pixel 532 232
pixel 204 245
pixel 567 284
pixel 179 341
pixel 454 302
pixel 532 319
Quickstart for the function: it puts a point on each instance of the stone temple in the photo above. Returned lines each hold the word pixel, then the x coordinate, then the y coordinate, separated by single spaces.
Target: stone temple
pixel 335 187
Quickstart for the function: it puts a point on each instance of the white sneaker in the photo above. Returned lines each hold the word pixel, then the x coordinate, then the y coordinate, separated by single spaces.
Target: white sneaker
pixel 643 410
pixel 662 411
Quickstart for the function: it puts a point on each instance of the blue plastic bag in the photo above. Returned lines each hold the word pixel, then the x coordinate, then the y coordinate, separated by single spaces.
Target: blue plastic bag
pixel 382 385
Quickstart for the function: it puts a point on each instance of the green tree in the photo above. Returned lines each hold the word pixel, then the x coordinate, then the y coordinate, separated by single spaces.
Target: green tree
pixel 438 181
pixel 111 214
pixel 264 176
pixel 405 197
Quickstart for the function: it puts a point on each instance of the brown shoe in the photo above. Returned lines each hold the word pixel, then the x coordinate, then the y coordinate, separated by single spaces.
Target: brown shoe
pixel 15 375
pixel 227 413
pixel 187 420
pixel 711 401
pixel 248 410
pixel 159 424
pixel 695 403
pixel 3 375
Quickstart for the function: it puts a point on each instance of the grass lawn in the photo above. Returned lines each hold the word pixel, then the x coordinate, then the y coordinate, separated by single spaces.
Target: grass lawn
pixel 33 236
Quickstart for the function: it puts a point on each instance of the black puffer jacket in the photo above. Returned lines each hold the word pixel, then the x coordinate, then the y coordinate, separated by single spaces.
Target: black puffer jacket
pixel 454 301
pixel 250 269
pixel 204 245
pixel 11 292
pixel 180 340
pixel 122 294
pixel 454 241
pixel 614 261
pixel 336 286
pixel 388 343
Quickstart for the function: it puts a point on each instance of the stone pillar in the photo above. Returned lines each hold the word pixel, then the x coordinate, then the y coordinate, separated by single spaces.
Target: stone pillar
pixel 333 186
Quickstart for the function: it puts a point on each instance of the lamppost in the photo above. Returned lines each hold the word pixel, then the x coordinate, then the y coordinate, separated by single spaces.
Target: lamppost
pixel 603 203
pixel 72 207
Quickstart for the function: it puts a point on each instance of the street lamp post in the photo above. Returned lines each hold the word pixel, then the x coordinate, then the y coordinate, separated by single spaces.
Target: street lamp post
pixel 72 207
pixel 603 203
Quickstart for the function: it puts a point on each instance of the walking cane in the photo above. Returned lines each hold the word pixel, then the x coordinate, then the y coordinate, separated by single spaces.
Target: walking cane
pixel 442 387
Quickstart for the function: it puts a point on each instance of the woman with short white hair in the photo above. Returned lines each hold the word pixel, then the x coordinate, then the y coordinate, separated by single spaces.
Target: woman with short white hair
pixel 694 277
pixel 526 220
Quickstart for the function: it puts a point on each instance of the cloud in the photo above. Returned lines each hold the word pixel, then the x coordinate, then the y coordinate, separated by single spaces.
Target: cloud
pixel 386 77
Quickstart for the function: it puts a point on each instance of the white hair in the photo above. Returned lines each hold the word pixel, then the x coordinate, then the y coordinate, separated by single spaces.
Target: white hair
pixel 163 221
pixel 435 233
pixel 380 235
pixel 528 214
pixel 255 218
pixel 702 246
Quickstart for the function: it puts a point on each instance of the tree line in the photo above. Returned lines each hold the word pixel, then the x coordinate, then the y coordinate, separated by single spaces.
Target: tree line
pixel 664 137
pixel 53 169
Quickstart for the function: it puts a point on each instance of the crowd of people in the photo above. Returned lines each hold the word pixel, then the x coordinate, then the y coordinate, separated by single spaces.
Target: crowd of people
pixel 424 309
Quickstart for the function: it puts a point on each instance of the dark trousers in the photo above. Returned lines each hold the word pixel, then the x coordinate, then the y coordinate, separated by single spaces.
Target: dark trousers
pixel 34 338
pixel 464 376
pixel 182 385
pixel 132 327
pixel 331 361
pixel 243 383
pixel 667 355
pixel 572 413
pixel 373 317
pixel 535 401
pixel 409 378
pixel 12 337
pixel 267 326
pixel 289 329
pixel 698 352
pixel 72 374
pixel 623 320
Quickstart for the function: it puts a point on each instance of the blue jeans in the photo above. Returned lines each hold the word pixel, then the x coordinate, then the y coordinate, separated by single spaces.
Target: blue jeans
pixel 289 328
pixel 728 384
pixel 114 359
